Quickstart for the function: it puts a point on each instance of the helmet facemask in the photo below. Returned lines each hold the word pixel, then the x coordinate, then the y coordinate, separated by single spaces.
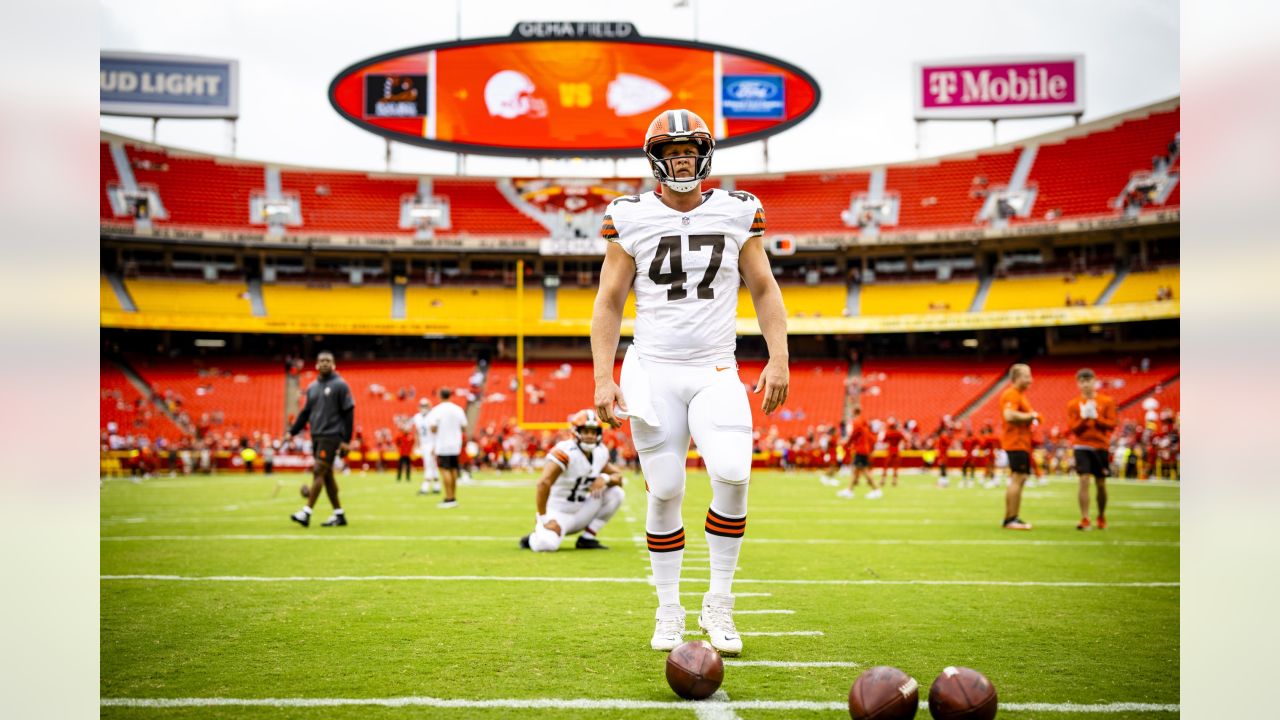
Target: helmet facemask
pixel 662 166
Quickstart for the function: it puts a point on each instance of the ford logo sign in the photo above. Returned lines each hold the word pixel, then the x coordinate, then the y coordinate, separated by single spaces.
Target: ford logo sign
pixel 752 90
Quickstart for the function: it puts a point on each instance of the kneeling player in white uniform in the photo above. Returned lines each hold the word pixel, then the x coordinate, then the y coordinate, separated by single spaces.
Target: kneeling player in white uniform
pixel 579 491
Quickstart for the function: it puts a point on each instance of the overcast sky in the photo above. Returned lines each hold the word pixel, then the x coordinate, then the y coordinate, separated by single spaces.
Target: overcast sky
pixel 860 54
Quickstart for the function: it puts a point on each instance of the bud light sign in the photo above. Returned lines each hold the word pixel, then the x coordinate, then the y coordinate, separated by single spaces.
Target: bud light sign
pixel 995 88
pixel 758 97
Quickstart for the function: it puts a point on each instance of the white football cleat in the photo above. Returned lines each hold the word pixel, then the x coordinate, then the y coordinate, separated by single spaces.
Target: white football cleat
pixel 875 494
pixel 669 632
pixel 716 621
pixel 845 493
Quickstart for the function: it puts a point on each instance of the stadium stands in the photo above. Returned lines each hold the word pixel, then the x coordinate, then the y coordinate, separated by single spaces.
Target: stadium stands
pixel 1076 173
pixel 245 394
pixel 1084 175
pixel 917 297
pixel 577 303
pixel 1018 293
pixel 387 391
pixel 1054 384
pixel 153 295
pixel 816 397
pixel 925 389
pixel 123 405
pixel 107 175
pixel 346 202
pixel 942 194
pixel 1143 286
pixel 806 202
pixel 107 296
pixel 307 301
pixel 198 191
pixel 1168 394
pixel 489 303
pixel 477 208
pixel 827 300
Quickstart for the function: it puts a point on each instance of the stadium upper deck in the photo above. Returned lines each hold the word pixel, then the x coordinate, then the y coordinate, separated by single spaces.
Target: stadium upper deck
pixel 1118 167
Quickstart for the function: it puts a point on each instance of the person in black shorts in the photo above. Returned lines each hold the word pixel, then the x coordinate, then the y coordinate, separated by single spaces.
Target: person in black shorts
pixel 331 412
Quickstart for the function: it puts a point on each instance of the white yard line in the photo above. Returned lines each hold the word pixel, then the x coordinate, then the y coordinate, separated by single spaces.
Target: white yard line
pixel 768 633
pixel 791 664
pixel 708 706
pixel 750 612
pixel 296 536
pixel 716 707
pixel 515 578
pixel 699 593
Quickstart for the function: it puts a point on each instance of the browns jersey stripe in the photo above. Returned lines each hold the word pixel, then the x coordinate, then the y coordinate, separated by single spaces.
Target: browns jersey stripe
pixel 560 455
pixel 607 230
pixel 757 223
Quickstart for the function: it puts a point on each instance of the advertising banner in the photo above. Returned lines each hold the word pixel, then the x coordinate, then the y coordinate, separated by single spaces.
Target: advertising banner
pixel 567 90
pixel 168 86
pixel 999 88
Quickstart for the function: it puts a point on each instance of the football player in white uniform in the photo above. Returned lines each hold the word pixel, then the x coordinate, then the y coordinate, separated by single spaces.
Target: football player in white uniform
pixel 683 251
pixel 579 491
pixel 426 449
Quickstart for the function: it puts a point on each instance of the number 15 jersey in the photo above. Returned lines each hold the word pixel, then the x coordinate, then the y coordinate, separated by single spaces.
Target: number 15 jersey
pixel 687 280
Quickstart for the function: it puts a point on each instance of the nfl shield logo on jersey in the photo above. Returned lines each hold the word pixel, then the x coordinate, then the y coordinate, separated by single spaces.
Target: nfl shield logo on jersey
pixel 685 220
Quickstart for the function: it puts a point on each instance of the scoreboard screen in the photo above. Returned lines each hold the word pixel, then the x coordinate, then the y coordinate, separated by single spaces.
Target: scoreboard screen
pixel 567 90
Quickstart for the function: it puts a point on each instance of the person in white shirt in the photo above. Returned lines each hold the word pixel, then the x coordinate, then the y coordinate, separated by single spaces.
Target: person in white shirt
pixel 426 449
pixel 580 490
pixel 448 422
pixel 685 253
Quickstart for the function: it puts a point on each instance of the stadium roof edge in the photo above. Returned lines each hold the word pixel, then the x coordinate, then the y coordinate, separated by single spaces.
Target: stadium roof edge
pixel 1104 123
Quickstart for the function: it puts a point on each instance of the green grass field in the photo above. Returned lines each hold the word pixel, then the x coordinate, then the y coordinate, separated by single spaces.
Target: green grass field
pixel 208 591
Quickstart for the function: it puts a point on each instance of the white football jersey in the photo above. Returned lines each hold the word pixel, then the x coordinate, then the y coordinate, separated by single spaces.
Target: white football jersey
pixel 687 280
pixel 449 420
pixel 426 438
pixel 577 471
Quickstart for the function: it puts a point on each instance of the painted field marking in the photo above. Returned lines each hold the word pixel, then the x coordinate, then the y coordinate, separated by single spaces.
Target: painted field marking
pixel 597 704
pixel 791 664
pixel 750 612
pixel 737 594
pixel 635 538
pixel 770 633
pixel 515 578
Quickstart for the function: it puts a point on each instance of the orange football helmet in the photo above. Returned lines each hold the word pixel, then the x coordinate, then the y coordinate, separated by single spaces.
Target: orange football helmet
pixel 679 125
pixel 586 420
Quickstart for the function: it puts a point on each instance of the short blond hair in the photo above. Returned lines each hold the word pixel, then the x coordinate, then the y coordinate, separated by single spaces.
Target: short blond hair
pixel 1018 369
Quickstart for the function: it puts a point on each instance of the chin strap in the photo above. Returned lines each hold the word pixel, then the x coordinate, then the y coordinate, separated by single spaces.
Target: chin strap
pixel 681 186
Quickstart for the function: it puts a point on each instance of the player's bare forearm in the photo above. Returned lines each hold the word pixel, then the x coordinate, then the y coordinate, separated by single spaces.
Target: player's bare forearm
pixel 775 381
pixel 549 475
pixel 616 276
pixel 606 327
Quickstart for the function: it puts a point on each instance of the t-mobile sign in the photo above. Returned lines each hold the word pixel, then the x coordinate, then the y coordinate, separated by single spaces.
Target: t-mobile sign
pixel 994 88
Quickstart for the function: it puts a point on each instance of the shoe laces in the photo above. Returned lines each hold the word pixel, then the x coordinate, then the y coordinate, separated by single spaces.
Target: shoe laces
pixel 719 616
pixel 670 620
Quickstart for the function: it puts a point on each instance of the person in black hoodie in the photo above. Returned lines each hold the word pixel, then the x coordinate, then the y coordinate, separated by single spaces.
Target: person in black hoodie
pixel 331 412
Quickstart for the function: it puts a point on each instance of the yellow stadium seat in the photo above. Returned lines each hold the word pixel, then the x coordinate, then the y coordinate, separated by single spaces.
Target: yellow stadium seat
pixel 577 303
pixel 452 303
pixel 1142 286
pixel 301 301
pixel 107 296
pixel 802 301
pixel 913 298
pixel 190 296
pixel 1045 291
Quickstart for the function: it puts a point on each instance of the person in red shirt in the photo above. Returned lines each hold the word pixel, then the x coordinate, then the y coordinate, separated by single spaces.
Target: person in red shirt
pixel 943 447
pixel 404 445
pixel 1015 439
pixel 1091 418
pixel 861 441
pixel 892 439
pixel 988 444
pixel 969 471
